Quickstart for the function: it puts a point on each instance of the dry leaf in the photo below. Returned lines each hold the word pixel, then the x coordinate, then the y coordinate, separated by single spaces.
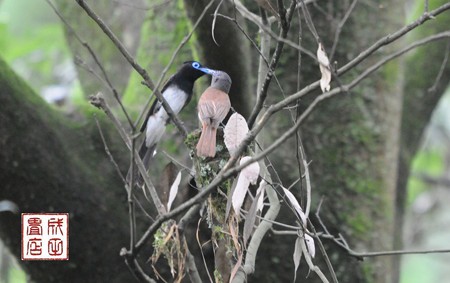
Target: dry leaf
pixel 166 179
pixel 239 193
pixel 310 244
pixel 248 175
pixel 173 191
pixel 251 172
pixel 262 189
pixel 297 255
pixel 324 65
pixel 296 205
pixel 235 132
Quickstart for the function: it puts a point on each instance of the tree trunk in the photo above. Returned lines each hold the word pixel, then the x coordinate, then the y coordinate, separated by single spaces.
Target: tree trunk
pixel 51 164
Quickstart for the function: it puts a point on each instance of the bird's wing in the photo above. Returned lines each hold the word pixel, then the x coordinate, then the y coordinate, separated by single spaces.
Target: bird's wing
pixel 156 105
pixel 222 109
pixel 206 106
pixel 213 106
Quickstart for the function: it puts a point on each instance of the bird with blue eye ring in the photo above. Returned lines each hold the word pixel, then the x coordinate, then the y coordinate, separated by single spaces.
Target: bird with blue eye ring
pixel 177 92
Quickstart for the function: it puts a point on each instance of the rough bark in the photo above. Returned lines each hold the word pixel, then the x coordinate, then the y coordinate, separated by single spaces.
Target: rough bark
pixel 51 164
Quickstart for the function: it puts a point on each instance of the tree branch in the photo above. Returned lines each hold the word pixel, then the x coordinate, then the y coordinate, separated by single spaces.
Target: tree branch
pixel 99 102
pixel 148 81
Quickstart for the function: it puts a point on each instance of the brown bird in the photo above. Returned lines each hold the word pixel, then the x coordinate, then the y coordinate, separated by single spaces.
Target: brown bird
pixel 213 107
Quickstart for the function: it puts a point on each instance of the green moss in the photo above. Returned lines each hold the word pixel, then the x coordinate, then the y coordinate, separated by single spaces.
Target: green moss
pixel 391 73
pixel 368 271
pixel 359 224
pixel 218 276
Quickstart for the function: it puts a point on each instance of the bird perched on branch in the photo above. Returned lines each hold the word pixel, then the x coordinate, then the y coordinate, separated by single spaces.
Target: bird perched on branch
pixel 213 107
pixel 177 92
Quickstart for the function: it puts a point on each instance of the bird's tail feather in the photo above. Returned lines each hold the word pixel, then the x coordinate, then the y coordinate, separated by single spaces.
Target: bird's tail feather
pixel 206 146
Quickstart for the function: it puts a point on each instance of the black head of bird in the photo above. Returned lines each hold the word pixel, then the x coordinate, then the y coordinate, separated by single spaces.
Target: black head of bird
pixel 186 76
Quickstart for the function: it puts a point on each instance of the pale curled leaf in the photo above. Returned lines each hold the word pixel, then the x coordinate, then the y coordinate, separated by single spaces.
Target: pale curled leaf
pixel 297 256
pixel 235 132
pixel 310 244
pixel 262 189
pixel 324 65
pixel 296 205
pixel 251 172
pixel 239 193
pixel 173 191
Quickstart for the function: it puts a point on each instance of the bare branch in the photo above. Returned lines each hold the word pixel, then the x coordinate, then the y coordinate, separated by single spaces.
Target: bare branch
pixel 111 158
pixel 258 21
pixel 172 59
pixel 442 69
pixel 96 60
pixel 262 94
pixel 339 28
pixel 311 265
pixel 393 37
pixel 99 102
pixel 137 271
pixel 148 81
pixel 276 107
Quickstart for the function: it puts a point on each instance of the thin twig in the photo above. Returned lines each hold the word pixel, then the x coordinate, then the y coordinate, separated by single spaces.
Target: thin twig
pixel 111 158
pixel 311 264
pixel 146 8
pixel 258 21
pixel 96 60
pixel 148 81
pixel 190 261
pixel 442 68
pixel 137 271
pixel 230 169
pixel 393 37
pixel 400 252
pixel 262 93
pixel 309 21
pixel 324 253
pixel 339 28
pixel 278 106
pixel 100 102
pixel 172 59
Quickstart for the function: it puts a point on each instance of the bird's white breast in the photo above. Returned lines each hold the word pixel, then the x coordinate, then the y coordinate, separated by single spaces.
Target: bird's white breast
pixel 176 99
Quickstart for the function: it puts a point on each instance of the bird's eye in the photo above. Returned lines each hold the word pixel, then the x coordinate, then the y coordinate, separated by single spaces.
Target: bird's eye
pixel 196 65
